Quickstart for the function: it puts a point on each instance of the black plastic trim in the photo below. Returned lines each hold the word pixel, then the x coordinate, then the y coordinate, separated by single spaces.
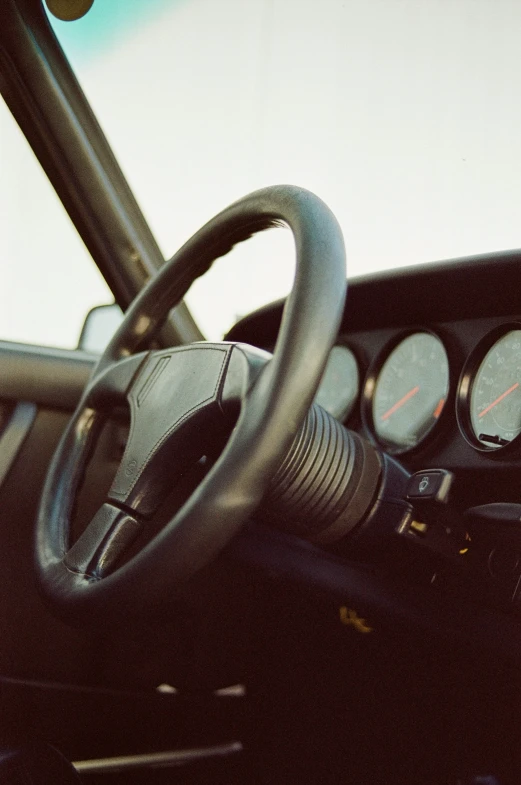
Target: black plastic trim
pixel 390 603
pixel 14 435
pixel 484 285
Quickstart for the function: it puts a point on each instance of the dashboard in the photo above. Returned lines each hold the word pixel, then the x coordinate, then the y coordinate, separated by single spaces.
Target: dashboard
pixel 431 374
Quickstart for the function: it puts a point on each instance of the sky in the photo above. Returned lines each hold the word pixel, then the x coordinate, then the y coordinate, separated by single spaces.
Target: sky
pixel 404 116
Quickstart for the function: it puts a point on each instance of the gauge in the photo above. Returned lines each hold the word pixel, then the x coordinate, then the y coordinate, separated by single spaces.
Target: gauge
pixel 490 390
pixel 340 383
pixel 410 392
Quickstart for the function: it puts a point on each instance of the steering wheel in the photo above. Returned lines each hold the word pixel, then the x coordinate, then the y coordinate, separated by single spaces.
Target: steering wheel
pixel 179 399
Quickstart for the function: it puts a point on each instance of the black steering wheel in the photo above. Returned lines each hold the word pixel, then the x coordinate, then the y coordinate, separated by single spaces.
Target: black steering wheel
pixel 179 398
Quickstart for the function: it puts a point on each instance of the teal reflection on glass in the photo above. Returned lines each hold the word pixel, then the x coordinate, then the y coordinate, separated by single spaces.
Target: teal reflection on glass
pixel 105 25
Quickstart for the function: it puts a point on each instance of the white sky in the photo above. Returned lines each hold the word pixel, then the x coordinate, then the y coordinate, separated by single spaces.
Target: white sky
pixel 403 115
pixel 48 281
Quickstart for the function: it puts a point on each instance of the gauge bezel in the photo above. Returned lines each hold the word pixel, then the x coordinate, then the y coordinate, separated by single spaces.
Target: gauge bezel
pixel 371 380
pixel 465 385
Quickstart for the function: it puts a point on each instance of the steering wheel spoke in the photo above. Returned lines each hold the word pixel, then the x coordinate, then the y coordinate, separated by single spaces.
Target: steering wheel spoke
pixel 98 549
pixel 111 386
pixel 243 371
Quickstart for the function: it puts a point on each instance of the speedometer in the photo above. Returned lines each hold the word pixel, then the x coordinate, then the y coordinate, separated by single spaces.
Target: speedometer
pixel 407 396
pixel 489 400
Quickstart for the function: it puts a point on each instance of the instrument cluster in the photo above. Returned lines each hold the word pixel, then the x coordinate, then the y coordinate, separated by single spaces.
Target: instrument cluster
pixel 406 390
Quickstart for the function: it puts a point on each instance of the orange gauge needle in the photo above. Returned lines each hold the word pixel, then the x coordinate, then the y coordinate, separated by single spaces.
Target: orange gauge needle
pixel 439 408
pixel 400 403
pixel 498 400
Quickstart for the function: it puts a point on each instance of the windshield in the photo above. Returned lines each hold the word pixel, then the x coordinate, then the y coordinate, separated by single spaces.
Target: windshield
pixel 403 116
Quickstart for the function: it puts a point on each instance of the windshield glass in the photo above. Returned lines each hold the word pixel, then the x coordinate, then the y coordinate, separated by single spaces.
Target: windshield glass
pixel 403 116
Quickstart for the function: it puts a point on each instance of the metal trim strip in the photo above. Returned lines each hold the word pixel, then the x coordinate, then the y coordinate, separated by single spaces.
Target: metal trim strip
pixel 157 759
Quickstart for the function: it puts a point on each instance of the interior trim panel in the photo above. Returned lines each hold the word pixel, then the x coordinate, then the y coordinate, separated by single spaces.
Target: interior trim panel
pixel 46 377
pixel 14 434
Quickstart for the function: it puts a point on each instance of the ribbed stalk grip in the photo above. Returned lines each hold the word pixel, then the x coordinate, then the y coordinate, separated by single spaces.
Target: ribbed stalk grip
pixel 326 484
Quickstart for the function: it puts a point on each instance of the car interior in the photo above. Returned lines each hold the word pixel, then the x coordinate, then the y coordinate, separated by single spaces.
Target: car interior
pixel 289 555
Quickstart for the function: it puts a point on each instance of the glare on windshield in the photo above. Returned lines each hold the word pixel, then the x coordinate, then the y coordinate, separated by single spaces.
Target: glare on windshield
pixel 403 117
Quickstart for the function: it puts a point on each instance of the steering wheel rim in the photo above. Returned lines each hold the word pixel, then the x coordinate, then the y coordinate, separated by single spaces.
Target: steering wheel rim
pixel 274 401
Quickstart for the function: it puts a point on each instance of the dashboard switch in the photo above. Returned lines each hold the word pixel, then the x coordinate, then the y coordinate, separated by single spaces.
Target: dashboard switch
pixel 433 485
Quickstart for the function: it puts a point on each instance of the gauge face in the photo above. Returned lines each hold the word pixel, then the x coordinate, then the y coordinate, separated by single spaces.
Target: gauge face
pixel 410 392
pixel 495 396
pixel 340 383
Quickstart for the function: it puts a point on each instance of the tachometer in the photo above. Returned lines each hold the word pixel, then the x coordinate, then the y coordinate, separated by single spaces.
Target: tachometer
pixel 407 397
pixel 489 398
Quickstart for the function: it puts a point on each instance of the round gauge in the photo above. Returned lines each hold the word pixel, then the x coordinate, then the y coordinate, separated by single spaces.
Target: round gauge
pixel 490 390
pixel 340 383
pixel 410 392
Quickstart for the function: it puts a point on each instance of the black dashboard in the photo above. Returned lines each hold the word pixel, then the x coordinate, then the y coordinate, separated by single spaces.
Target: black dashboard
pixel 468 305
pixel 465 309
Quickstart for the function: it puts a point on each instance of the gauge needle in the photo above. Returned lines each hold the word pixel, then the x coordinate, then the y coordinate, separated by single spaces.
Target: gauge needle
pixel 400 403
pixel 498 400
pixel 439 408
